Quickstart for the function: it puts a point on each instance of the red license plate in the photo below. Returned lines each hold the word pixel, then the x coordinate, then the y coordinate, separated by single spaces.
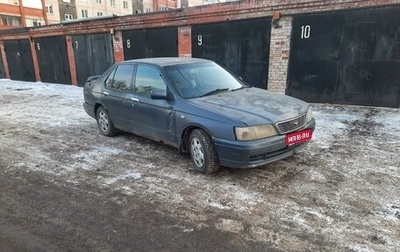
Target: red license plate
pixel 299 137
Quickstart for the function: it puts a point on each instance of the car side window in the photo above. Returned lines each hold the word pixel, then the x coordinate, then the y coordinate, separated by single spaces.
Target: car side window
pixel 147 79
pixel 110 78
pixel 121 78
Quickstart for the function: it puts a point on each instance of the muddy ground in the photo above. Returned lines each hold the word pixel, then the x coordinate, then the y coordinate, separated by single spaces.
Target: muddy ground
pixel 65 187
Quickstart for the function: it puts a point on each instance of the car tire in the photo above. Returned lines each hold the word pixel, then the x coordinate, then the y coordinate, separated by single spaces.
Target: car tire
pixel 202 152
pixel 103 121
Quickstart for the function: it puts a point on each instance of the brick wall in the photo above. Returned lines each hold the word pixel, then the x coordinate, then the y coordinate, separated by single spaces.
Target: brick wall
pixel 71 60
pixel 185 41
pixel 279 54
pixel 118 46
pixel 4 59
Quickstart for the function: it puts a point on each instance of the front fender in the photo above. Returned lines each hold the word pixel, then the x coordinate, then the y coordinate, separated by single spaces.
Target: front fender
pixel 186 123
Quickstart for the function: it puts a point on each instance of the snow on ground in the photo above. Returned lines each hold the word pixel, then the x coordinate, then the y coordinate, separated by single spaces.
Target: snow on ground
pixel 339 193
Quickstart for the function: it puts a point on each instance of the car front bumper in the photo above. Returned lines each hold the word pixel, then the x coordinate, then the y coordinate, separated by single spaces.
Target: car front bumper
pixel 250 154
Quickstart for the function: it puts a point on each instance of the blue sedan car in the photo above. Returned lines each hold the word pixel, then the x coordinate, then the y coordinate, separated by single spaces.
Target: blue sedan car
pixel 198 107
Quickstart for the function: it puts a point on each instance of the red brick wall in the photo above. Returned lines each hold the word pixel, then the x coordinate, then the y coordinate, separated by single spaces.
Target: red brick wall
pixel 71 60
pixel 118 47
pixel 4 59
pixel 35 60
pixel 167 3
pixel 185 41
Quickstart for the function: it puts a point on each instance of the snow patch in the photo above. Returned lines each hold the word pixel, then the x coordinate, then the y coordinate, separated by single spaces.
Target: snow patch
pixel 130 175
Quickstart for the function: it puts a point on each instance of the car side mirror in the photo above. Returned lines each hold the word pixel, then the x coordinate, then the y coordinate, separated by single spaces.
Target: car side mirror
pixel 93 78
pixel 159 94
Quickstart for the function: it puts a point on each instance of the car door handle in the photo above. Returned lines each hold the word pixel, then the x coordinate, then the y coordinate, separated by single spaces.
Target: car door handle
pixel 106 93
pixel 134 99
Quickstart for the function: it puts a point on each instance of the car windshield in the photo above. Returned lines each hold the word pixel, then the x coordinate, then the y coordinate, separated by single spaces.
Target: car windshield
pixel 202 79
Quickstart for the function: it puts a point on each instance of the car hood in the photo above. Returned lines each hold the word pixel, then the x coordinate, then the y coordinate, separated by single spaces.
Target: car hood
pixel 253 106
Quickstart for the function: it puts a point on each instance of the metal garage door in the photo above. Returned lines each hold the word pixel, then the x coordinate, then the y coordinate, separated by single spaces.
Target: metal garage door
pixel 93 55
pixel 147 43
pixel 240 46
pixel 19 59
pixel 350 57
pixel 53 59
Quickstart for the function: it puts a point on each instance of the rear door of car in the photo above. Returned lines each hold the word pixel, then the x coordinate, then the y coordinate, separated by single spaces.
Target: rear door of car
pixel 153 118
pixel 117 96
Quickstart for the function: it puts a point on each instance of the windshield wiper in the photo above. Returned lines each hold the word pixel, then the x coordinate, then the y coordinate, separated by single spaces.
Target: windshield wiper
pixel 216 91
pixel 239 88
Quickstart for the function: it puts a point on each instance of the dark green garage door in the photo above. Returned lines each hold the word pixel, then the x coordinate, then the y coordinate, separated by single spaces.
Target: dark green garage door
pixel 240 46
pixel 351 57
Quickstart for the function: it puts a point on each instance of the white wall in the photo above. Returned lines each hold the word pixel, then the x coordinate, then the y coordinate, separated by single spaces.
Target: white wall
pixel 37 4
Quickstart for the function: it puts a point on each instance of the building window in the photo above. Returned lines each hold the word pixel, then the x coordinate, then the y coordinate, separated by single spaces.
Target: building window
pixel 49 9
pixel 126 5
pixel 98 1
pixel 84 13
pixel 68 17
pixel 11 20
pixel 99 14
pixel 37 22
pixel 148 10
pixel 112 3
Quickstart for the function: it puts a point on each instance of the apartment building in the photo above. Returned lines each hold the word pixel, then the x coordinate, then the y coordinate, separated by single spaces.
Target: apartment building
pixel 217 1
pixel 96 8
pixel 191 3
pixel 22 13
pixel 64 10
pixel 144 6
pixel 52 11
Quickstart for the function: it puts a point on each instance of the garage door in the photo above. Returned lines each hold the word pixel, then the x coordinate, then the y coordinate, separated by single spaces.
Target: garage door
pixel 19 59
pixel 240 46
pixel 53 59
pixel 147 43
pixel 350 57
pixel 93 55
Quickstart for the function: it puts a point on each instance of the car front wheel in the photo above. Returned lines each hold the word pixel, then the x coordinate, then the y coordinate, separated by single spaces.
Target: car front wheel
pixel 103 121
pixel 202 152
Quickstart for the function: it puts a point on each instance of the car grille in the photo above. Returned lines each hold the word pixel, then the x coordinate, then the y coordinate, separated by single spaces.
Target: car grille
pixel 292 125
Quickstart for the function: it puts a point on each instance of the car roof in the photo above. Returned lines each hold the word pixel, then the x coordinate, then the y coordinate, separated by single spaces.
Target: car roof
pixel 168 61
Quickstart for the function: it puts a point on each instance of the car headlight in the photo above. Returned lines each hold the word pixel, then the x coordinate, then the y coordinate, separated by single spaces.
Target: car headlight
pixel 254 132
pixel 309 114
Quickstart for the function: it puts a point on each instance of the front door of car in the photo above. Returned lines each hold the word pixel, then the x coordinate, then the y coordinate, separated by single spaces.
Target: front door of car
pixel 117 96
pixel 153 118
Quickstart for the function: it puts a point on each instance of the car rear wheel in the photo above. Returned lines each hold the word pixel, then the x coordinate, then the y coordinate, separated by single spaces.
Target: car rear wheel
pixel 202 152
pixel 103 121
